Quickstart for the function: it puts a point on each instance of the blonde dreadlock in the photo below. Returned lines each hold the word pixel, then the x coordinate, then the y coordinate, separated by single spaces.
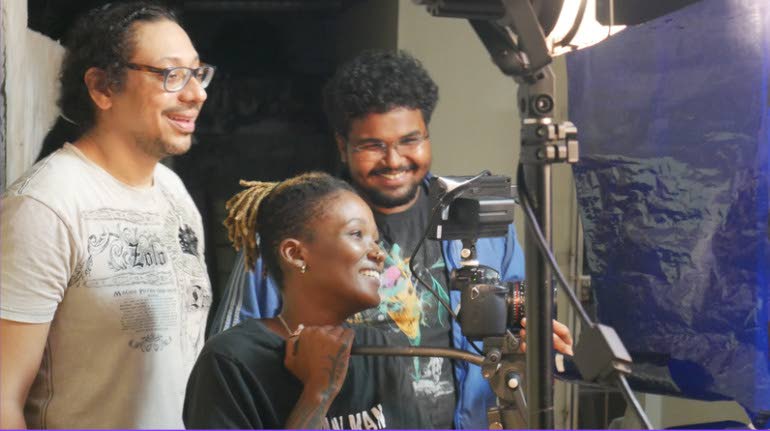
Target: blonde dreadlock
pixel 277 211
pixel 241 221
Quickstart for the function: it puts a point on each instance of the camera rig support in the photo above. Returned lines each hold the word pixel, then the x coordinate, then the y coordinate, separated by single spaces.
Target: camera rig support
pixel 514 37
pixel 524 56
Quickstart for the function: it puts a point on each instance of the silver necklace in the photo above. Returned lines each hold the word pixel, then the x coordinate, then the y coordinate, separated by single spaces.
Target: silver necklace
pixel 291 333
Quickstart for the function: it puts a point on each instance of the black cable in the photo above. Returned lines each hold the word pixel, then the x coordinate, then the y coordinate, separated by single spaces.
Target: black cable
pixel 441 300
pixel 448 197
pixel 542 244
pixel 631 400
pixel 417 276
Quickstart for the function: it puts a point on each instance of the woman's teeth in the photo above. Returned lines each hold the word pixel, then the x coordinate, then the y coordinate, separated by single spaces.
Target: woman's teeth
pixel 371 273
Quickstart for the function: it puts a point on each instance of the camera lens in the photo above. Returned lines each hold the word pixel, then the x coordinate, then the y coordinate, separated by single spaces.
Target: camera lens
pixel 516 301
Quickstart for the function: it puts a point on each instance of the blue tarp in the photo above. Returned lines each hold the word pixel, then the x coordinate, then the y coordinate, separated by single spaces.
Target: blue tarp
pixel 672 183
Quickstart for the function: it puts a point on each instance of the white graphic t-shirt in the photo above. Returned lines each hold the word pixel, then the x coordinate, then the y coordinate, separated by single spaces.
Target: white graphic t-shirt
pixel 119 272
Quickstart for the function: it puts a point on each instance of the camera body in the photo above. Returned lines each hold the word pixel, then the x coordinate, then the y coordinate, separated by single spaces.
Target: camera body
pixel 472 208
pixel 489 307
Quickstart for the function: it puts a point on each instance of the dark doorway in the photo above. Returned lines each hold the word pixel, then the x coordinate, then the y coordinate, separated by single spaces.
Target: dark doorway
pixel 263 119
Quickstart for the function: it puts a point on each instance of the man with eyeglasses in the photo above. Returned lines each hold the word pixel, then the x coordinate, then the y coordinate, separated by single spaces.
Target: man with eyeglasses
pixel 105 291
pixel 379 106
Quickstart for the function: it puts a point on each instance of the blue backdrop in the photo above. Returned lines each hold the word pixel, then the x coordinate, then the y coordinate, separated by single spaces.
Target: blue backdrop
pixel 672 117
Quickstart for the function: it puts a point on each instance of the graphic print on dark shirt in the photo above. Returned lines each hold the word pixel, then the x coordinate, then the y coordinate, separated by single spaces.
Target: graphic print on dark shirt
pixel 410 313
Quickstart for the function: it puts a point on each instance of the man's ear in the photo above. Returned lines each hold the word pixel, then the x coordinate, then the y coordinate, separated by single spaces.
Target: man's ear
pixel 341 148
pixel 292 253
pixel 98 87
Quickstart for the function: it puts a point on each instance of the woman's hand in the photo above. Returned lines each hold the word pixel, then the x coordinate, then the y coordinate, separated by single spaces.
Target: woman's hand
pixel 562 339
pixel 318 357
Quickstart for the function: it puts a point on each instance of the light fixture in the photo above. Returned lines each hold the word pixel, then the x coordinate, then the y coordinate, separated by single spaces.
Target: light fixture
pixel 567 24
pixel 577 27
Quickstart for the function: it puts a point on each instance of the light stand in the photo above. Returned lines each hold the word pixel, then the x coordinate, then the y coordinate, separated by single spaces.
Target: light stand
pixel 525 57
pixel 515 40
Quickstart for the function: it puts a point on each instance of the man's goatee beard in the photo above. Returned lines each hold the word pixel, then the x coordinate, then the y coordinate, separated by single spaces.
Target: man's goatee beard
pixel 381 200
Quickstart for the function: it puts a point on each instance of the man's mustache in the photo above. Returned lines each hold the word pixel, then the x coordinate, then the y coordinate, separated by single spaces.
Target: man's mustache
pixel 390 171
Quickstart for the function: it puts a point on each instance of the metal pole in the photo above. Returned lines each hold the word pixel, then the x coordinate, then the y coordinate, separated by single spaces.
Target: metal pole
pixel 536 104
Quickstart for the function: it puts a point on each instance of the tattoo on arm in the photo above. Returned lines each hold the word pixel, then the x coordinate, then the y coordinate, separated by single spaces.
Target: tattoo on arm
pixel 311 415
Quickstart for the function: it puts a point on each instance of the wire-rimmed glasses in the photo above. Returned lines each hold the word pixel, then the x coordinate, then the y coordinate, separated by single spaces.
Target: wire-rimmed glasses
pixel 375 148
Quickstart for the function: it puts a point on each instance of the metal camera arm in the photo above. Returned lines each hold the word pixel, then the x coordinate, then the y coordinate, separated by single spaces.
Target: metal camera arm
pixel 502 366
pixel 520 55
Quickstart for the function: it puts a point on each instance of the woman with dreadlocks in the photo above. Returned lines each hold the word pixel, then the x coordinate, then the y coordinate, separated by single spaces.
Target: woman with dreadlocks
pixel 319 241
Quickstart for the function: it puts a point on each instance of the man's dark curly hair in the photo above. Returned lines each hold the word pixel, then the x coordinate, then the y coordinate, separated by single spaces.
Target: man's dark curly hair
pixel 378 81
pixel 103 38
